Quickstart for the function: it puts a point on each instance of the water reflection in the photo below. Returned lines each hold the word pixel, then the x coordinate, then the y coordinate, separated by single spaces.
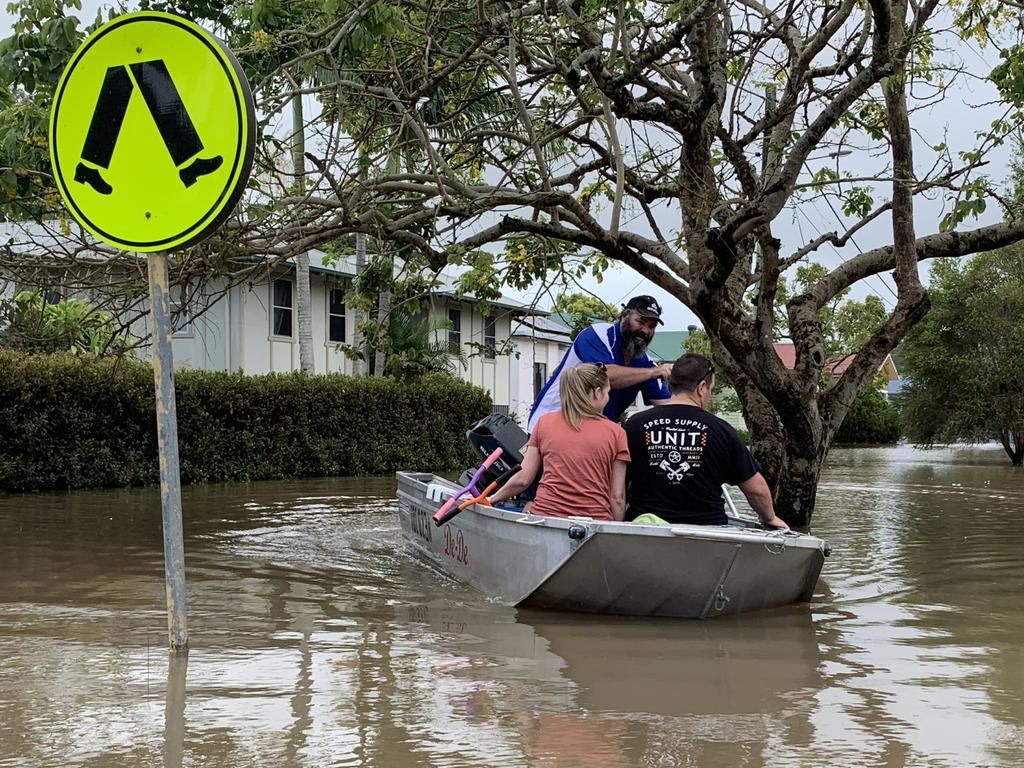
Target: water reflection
pixel 618 691
pixel 318 640
pixel 174 710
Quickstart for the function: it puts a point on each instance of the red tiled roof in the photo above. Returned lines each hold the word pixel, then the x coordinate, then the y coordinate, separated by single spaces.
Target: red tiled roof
pixel 787 354
pixel 838 367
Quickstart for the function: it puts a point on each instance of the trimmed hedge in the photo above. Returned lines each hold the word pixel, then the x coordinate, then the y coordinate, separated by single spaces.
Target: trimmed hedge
pixel 68 422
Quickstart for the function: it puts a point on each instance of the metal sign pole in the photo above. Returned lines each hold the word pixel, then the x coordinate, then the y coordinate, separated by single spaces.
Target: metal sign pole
pixel 167 436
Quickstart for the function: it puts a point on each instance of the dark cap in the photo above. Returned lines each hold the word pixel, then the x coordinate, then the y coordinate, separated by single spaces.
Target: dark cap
pixel 645 306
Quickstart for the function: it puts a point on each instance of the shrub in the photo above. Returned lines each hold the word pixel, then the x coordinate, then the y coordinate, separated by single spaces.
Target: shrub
pixel 31 324
pixel 871 420
pixel 68 422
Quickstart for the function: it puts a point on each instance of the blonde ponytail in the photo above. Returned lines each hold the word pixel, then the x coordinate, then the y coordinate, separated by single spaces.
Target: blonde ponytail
pixel 575 386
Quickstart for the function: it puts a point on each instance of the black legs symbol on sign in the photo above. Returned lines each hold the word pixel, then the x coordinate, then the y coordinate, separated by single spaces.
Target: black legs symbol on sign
pixel 169 114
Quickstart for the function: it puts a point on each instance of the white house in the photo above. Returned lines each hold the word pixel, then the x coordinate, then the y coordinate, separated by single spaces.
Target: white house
pixel 252 326
pixel 538 346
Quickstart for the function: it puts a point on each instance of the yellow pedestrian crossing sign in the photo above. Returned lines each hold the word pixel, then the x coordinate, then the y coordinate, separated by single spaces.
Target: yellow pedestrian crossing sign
pixel 152 132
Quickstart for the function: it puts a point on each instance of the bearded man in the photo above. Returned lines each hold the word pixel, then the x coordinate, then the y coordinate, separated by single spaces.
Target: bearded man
pixel 622 348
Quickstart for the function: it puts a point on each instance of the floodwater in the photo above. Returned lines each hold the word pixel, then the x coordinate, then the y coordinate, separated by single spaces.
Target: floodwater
pixel 318 640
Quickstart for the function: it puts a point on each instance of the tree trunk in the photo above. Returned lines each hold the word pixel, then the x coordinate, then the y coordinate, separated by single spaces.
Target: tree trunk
pixel 359 367
pixel 1013 444
pixel 790 450
pixel 790 459
pixel 383 315
pixel 303 299
pixel 304 312
pixel 796 490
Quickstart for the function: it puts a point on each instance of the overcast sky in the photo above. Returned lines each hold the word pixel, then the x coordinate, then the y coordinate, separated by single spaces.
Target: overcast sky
pixel 971 105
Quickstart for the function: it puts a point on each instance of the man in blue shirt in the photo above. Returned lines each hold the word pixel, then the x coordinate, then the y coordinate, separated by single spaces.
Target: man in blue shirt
pixel 622 347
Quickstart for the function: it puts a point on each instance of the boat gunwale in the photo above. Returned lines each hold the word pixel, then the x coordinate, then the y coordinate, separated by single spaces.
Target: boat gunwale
pixel 730 533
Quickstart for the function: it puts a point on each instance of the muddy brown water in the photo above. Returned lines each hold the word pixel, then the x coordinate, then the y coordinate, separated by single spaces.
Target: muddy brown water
pixel 318 640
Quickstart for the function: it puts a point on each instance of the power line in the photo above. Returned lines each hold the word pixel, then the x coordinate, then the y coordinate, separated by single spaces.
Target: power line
pixel 842 258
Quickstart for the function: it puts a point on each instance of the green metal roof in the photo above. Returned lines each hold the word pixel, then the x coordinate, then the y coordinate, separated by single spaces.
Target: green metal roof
pixel 667 345
pixel 561 319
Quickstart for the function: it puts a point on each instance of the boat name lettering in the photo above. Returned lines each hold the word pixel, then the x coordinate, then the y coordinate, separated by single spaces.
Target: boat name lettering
pixel 421 523
pixel 455 545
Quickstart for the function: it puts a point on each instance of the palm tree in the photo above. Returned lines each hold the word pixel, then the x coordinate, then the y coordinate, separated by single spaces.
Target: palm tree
pixel 414 350
pixel 303 298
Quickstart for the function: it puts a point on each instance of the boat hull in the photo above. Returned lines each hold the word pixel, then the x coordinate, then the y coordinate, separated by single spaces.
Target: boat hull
pixel 580 564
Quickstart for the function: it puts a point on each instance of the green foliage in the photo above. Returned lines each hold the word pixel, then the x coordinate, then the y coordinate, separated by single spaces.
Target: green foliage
pixel 858 202
pixel 871 420
pixel 870 116
pixel 530 259
pixel 44 35
pixel 1009 75
pixel 699 343
pixel 413 352
pixel 724 399
pixel 584 304
pixel 1014 201
pixel 849 326
pixel 42 38
pixel 69 422
pixel 583 309
pixel 31 324
pixel 970 202
pixel 964 360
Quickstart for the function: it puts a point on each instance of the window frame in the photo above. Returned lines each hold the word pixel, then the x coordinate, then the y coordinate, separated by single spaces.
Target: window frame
pixel 539 381
pixel 490 338
pixel 455 330
pixel 274 307
pixel 331 314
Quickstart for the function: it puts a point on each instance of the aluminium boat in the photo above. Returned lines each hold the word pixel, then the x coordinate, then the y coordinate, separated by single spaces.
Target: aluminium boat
pixel 596 566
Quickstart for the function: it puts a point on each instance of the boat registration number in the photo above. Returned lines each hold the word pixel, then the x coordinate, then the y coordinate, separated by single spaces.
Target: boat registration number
pixel 421 523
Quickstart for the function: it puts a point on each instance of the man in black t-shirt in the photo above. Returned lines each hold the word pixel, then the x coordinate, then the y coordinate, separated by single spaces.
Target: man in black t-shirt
pixel 680 455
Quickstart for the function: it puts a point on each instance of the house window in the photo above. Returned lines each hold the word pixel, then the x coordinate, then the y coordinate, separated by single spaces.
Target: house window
pixel 540 378
pixel 282 308
pixel 336 315
pixel 455 331
pixel 490 337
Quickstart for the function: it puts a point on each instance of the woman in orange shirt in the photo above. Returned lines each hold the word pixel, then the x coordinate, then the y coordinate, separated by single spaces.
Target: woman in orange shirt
pixel 583 454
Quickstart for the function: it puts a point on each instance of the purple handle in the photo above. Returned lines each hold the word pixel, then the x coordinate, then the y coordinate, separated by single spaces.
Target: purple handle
pixel 441 516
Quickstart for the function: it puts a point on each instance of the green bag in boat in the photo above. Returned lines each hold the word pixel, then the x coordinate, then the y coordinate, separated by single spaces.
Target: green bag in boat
pixel 649 519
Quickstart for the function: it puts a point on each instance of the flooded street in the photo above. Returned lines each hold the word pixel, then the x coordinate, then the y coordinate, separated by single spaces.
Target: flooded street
pixel 318 640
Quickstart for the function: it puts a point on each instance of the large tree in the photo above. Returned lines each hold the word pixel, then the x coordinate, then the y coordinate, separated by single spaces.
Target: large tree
pixel 965 361
pixel 582 309
pixel 677 138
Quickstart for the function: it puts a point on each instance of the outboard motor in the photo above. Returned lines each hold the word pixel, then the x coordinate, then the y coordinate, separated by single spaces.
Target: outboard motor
pixel 492 432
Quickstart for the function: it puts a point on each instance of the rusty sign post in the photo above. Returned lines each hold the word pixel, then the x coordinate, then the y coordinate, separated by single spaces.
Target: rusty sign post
pixel 152 136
